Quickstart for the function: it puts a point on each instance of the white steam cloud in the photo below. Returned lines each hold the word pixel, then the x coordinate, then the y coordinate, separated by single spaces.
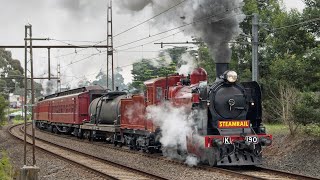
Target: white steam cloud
pixel 175 124
pixel 187 64
pixel 164 60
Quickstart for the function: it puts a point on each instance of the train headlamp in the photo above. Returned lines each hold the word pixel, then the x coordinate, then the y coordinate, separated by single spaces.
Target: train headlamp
pixel 231 76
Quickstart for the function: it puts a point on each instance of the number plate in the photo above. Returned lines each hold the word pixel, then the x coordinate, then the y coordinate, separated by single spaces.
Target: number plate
pixel 252 139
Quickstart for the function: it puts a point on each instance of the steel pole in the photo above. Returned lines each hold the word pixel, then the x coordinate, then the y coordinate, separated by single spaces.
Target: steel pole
pixel 111 36
pixel 32 100
pixel 255 68
pixel 25 95
pixel 49 68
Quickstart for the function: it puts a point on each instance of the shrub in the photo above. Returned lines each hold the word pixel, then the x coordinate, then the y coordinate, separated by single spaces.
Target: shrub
pixel 280 105
pixel 307 109
pixel 18 117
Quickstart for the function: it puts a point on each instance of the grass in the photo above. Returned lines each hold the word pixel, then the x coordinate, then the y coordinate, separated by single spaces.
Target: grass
pixel 17 121
pixel 11 110
pixel 6 169
pixel 276 129
pixel 310 129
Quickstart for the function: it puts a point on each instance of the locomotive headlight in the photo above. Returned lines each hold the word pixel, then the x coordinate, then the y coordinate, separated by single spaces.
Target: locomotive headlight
pixel 232 76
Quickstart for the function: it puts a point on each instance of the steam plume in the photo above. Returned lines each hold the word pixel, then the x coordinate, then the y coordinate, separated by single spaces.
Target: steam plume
pixel 215 21
pixel 175 124
pixel 187 64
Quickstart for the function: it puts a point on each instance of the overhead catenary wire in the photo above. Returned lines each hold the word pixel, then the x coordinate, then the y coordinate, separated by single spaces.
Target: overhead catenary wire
pixel 196 21
pixel 188 24
pixel 66 40
pixel 94 54
pixel 151 41
pixel 105 51
pixel 297 24
pixel 139 24
pixel 79 77
pixel 149 18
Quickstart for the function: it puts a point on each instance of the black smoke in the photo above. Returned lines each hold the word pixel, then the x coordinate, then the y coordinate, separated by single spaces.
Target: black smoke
pixel 216 22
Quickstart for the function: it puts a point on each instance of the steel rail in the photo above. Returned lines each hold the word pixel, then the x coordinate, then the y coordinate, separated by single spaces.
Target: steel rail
pixel 110 163
pixel 247 172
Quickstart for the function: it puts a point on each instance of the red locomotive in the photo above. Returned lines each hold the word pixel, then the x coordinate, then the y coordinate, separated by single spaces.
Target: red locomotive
pixel 227 126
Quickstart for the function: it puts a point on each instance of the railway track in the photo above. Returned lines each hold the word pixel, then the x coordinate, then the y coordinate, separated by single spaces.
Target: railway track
pixel 266 173
pixel 251 172
pixel 102 167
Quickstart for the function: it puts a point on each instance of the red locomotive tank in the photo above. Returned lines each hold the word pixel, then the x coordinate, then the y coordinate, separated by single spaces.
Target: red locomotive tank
pixel 197 75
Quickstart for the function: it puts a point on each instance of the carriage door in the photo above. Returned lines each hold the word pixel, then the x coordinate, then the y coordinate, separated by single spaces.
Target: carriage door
pixel 83 108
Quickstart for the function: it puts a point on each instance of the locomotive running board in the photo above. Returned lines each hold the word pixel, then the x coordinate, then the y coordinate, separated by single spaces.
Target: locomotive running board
pixel 108 128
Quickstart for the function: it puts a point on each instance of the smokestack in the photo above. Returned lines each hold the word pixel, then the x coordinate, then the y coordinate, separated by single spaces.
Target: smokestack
pixel 221 68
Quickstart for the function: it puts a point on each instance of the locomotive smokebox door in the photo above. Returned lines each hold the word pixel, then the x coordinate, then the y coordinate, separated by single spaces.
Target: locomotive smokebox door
pixel 228 102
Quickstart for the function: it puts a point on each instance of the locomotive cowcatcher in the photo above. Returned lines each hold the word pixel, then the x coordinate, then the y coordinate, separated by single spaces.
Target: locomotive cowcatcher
pixel 227 127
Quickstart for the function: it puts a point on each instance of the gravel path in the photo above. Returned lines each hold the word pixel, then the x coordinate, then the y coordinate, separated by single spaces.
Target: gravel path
pixel 158 167
pixel 51 168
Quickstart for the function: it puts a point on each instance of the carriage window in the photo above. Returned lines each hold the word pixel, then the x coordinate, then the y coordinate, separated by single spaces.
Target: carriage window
pixel 159 93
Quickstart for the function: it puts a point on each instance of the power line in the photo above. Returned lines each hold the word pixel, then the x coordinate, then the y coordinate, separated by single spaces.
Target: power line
pixel 99 42
pixel 76 77
pixel 188 24
pixel 150 41
pixel 94 54
pixel 103 52
pixel 300 23
pixel 149 19
pixel 65 41
pixel 196 21
pixel 75 46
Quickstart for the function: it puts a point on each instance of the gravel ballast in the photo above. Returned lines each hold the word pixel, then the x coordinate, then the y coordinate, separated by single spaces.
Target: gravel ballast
pixel 51 168
pixel 299 154
pixel 161 168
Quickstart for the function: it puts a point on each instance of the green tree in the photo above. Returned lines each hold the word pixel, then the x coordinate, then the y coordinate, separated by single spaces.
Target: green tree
pixel 205 61
pixel 11 70
pixel 312 11
pixel 241 57
pixel 119 80
pixel 3 105
pixel 142 71
pixel 300 71
pixel 84 82
pixel 307 109
pixel 175 54
pixel 102 79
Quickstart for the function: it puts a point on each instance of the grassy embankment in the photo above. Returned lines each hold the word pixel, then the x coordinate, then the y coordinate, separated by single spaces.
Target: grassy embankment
pixel 6 169
pixel 311 129
pixel 18 118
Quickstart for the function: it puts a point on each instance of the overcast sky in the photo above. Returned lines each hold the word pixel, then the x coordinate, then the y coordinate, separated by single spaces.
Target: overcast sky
pixel 83 20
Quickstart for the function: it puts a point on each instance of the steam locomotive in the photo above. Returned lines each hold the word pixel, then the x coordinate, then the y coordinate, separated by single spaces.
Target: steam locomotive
pixel 227 127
